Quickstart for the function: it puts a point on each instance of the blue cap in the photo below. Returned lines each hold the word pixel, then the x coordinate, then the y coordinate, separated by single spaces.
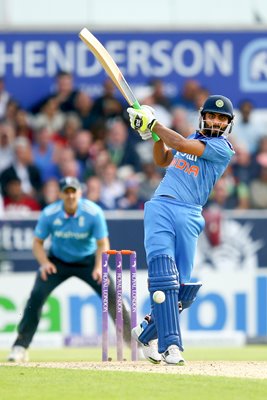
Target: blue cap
pixel 69 182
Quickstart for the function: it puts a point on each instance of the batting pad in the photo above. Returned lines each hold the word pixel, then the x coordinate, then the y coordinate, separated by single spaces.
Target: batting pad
pixel 149 332
pixel 163 275
pixel 188 294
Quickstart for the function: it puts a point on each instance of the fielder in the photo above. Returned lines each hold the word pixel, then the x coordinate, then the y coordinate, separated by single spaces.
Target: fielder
pixel 79 235
pixel 173 220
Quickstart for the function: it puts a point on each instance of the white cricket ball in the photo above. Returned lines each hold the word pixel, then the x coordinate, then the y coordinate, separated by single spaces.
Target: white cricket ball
pixel 159 296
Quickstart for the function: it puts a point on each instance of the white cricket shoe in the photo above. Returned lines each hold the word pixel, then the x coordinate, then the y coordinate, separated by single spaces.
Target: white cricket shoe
pixel 173 356
pixel 18 354
pixel 150 350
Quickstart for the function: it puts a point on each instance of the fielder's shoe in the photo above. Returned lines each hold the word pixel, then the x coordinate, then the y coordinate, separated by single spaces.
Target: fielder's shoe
pixel 150 350
pixel 18 354
pixel 173 356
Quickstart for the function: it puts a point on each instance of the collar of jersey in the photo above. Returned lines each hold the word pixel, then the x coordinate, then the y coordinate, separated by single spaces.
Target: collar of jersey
pixel 66 216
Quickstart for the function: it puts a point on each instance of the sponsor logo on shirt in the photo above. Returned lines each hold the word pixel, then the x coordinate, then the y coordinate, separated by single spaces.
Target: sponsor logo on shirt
pixel 191 157
pixel 71 235
pixel 185 166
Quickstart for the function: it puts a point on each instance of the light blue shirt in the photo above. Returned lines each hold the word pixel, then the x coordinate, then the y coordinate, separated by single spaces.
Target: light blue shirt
pixel 72 237
pixel 190 179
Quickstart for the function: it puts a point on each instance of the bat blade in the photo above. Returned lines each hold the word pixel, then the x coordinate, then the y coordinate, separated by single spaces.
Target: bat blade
pixel 108 64
pixel 111 68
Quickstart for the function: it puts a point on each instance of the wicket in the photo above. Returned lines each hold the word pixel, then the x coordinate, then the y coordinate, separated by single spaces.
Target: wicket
pixel 119 308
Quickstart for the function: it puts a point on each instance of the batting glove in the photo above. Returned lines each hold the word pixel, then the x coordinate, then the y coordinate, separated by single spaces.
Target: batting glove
pixel 142 120
pixel 145 135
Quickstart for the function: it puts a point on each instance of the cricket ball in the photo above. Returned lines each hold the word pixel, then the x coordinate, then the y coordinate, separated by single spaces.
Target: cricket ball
pixel 159 296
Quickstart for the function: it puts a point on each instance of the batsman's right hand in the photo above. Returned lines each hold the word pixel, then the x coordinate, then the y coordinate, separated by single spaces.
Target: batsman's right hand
pixel 143 119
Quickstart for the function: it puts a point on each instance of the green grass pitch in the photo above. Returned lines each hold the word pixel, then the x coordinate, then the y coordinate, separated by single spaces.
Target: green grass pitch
pixel 17 383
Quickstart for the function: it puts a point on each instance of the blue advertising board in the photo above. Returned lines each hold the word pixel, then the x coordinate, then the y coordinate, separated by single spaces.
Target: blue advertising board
pixel 233 63
pixel 233 298
pixel 245 238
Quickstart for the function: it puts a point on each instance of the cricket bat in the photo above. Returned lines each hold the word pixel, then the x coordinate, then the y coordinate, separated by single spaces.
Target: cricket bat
pixel 111 69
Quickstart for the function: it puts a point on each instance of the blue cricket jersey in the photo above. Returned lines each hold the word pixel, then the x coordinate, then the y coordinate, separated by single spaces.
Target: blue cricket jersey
pixel 190 179
pixel 72 237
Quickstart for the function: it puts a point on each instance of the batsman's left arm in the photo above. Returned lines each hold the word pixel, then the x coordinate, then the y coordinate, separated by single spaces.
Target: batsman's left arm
pixel 176 141
pixel 144 119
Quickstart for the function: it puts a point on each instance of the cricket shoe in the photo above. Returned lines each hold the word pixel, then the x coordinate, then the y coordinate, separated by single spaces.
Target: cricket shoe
pixel 150 350
pixel 18 354
pixel 173 356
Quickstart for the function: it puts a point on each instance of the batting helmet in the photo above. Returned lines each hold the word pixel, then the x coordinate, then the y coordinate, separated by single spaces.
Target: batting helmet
pixel 217 104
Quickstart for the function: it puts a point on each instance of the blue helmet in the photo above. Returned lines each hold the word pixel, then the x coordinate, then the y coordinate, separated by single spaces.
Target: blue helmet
pixel 221 105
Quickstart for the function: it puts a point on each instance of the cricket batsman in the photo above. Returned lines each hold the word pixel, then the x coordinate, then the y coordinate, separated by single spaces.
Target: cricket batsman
pixel 173 217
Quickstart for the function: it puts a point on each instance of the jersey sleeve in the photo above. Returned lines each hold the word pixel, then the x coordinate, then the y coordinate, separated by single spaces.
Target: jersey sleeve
pixel 100 229
pixel 218 150
pixel 42 230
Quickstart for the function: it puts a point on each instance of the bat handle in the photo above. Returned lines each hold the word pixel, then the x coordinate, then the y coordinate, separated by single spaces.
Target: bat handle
pixel 137 106
pixel 155 137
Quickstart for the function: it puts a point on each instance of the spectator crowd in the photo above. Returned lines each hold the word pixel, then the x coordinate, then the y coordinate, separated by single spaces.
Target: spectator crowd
pixel 71 134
